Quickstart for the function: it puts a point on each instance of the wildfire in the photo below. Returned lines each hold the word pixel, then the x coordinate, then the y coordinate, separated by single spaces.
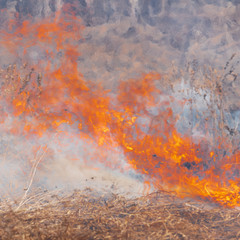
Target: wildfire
pixel 137 119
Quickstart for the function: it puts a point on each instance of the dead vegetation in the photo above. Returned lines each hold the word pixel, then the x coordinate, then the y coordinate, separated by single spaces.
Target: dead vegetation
pixel 87 215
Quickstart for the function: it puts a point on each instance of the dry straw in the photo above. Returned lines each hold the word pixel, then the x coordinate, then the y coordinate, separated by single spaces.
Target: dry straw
pixel 88 215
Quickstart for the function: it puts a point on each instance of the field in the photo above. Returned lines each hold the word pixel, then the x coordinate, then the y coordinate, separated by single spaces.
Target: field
pixel 87 215
pixel 128 95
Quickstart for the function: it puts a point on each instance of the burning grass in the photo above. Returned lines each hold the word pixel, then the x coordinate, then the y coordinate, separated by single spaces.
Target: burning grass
pixel 88 215
pixel 175 130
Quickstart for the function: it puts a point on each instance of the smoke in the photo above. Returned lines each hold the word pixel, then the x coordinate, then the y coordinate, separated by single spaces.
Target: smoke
pixel 48 155
pixel 163 31
pixel 62 161
pixel 57 106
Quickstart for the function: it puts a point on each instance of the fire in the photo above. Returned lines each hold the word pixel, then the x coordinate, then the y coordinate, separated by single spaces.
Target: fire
pixel 137 119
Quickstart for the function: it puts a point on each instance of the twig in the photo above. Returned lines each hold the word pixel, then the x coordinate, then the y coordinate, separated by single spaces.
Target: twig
pixel 32 174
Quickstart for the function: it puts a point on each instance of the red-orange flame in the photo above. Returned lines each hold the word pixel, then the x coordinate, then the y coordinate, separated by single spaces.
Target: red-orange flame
pixel 123 120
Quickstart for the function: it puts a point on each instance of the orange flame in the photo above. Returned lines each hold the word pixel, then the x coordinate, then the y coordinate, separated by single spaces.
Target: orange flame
pixel 124 120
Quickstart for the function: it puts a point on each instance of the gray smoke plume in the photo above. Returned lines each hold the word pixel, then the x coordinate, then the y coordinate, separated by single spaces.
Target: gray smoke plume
pixel 123 39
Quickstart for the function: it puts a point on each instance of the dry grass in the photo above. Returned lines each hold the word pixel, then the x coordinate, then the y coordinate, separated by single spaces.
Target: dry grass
pixel 87 215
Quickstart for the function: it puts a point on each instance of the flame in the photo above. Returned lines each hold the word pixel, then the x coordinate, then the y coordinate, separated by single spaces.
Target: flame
pixel 137 119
